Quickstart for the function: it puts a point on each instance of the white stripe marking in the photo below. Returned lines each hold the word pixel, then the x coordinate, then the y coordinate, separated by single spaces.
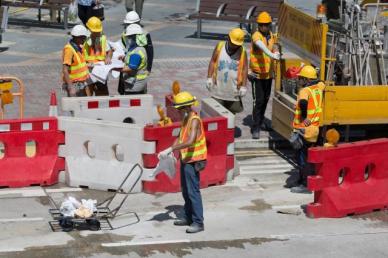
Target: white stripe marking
pixel 37 192
pixel 46 126
pixel 5 128
pixel 21 220
pixel 128 243
pixel 292 206
pixel 26 127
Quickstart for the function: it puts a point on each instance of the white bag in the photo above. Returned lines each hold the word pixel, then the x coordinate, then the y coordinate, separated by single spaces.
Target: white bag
pixel 73 11
pixel 166 165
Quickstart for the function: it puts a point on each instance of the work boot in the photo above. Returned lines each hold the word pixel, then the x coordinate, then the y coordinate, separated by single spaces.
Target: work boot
pixel 195 228
pixel 256 134
pixel 182 222
pixel 265 127
pixel 300 189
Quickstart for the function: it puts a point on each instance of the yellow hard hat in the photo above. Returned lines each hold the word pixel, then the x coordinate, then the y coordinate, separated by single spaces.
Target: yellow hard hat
pixel 237 36
pixel 264 17
pixel 94 24
pixel 183 99
pixel 311 133
pixel 308 71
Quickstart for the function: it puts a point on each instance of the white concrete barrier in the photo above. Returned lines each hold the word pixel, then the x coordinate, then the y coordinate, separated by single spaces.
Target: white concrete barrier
pixel 136 109
pixel 99 154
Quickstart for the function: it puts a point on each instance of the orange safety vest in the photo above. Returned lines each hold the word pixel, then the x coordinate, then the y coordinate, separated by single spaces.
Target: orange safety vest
pixel 198 150
pixel 240 71
pixel 95 55
pixel 78 70
pixel 260 63
pixel 314 107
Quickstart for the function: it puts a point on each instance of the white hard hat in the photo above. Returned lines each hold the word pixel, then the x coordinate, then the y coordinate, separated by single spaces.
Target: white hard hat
pixel 131 17
pixel 79 30
pixel 133 29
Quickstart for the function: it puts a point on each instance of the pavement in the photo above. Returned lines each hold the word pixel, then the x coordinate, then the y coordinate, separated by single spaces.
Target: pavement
pixel 255 215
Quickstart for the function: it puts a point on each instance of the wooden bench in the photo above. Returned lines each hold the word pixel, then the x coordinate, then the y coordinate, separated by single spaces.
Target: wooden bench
pixel 241 11
pixel 52 5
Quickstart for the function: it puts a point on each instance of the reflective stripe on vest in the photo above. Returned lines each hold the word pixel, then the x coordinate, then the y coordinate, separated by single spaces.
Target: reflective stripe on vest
pixel 142 72
pixel 198 150
pixel 314 107
pixel 91 55
pixel 240 69
pixel 260 62
pixel 78 70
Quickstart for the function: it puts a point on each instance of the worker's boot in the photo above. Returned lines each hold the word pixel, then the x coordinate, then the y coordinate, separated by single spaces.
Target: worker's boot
pixel 256 134
pixel 182 222
pixel 195 228
pixel 300 189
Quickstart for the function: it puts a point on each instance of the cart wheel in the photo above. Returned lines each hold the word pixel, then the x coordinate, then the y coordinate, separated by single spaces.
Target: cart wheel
pixel 66 224
pixel 94 224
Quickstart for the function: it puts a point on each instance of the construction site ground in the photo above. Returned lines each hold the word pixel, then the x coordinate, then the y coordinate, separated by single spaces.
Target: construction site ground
pixel 255 215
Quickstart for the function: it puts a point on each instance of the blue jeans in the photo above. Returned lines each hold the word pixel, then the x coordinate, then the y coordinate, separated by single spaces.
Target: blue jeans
pixel 305 168
pixel 191 193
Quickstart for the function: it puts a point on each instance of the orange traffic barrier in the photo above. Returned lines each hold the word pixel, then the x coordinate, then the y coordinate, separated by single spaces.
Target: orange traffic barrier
pixel 6 84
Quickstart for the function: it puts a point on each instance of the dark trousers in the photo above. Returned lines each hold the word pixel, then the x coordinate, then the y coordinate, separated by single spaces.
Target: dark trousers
pixel 191 193
pixel 261 91
pixel 305 168
pixel 84 13
pixel 100 89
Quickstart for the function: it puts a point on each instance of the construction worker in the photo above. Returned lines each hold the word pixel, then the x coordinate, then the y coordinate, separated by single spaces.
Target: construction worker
pixel 193 153
pixel 135 72
pixel 75 70
pixel 228 70
pixel 138 6
pixel 97 49
pixel 143 40
pixel 306 121
pixel 261 71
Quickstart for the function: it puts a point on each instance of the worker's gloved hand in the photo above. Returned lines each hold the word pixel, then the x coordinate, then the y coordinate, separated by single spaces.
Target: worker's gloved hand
pixel 276 56
pixel 242 91
pixel 163 154
pixel 209 84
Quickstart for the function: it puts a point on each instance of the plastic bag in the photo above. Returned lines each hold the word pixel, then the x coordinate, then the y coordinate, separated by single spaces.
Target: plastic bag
pixel 90 204
pixel 166 165
pixel 73 11
pixel 69 206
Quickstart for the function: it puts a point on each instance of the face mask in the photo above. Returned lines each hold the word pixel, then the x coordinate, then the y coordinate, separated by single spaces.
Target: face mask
pixel 130 42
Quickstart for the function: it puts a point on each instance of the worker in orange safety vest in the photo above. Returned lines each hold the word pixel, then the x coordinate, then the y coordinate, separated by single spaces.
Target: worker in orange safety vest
pixel 75 72
pixel 261 71
pixel 307 116
pixel 193 154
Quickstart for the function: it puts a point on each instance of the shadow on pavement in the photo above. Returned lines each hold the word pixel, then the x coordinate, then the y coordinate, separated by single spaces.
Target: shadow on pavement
pixel 177 210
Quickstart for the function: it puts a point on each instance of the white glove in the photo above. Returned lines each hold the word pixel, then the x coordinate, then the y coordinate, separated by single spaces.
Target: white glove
pixel 163 154
pixel 276 56
pixel 242 91
pixel 209 84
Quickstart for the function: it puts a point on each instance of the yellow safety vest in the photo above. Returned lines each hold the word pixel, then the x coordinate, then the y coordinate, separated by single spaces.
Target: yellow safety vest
pixel 314 107
pixel 260 63
pixel 198 150
pixel 142 72
pixel 78 70
pixel 95 55
pixel 240 70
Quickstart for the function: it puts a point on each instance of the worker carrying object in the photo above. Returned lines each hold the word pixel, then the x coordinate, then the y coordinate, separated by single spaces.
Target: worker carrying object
pixel 261 72
pixel 306 122
pixel 193 153
pixel 135 72
pixel 97 49
pixel 75 71
pixel 228 71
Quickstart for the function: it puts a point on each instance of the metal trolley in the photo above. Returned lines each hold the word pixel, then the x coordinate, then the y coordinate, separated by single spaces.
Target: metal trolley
pixel 101 219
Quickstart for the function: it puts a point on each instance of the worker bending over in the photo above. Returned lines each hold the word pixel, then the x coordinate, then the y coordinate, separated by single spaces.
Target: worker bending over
pixel 261 71
pixel 306 121
pixel 97 49
pixel 75 70
pixel 193 153
pixel 228 70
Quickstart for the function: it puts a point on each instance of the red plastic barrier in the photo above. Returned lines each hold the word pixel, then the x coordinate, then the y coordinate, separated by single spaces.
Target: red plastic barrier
pixel 18 170
pixel 218 136
pixel 350 179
